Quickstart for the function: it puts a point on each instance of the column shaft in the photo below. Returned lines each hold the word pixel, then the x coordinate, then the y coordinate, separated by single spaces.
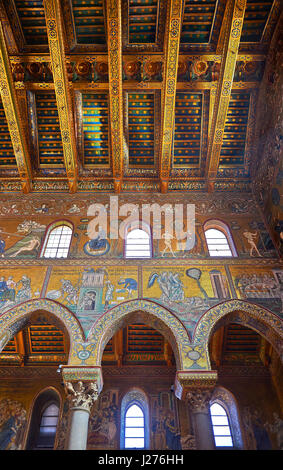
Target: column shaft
pixel 203 430
pixel 78 429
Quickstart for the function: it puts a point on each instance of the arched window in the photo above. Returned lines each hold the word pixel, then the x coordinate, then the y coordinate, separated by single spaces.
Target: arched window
pixel 44 420
pixel 221 427
pixel 134 428
pixel 48 427
pixel 218 239
pixel 57 241
pixel 134 421
pixel 138 244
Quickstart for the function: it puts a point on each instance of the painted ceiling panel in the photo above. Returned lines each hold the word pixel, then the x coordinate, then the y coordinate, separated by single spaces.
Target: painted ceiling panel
pixel 45 339
pixel 32 19
pixel 235 131
pixel 142 338
pixel 255 20
pixel 141 129
pixel 7 157
pixel 188 126
pixel 11 347
pixel 50 149
pixel 198 21
pixel 40 344
pixel 95 110
pixel 143 21
pixel 240 342
pixel 89 21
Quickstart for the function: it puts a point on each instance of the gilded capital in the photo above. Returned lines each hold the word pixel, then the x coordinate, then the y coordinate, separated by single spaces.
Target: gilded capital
pixel 82 394
pixel 198 399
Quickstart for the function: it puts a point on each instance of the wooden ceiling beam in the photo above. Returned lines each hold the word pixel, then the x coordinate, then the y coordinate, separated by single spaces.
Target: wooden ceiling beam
pixel 114 44
pixel 234 18
pixel 172 46
pixel 11 40
pixel 55 33
pixel 13 116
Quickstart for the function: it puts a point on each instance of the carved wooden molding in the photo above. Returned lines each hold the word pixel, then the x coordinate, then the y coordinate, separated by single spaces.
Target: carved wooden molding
pixel 172 46
pixel 114 32
pixel 12 112
pixel 235 13
pixel 56 42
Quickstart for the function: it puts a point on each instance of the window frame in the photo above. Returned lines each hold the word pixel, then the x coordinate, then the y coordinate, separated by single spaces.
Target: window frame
pixel 41 402
pixel 224 228
pixel 139 398
pixel 138 225
pixel 43 410
pixel 129 406
pixel 226 399
pixel 48 232
pixel 217 402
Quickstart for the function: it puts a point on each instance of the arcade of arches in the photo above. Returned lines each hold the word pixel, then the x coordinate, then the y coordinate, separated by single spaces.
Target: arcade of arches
pixel 161 326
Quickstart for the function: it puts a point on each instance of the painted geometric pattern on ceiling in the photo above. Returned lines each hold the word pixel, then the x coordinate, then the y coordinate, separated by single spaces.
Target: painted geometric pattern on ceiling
pixel 141 129
pixel 89 21
pixel 142 338
pixel 45 339
pixel 32 19
pixel 41 343
pixel 255 20
pixel 142 21
pixel 7 157
pixel 95 128
pixel 198 20
pixel 50 148
pixel 188 129
pixel 239 342
pixel 235 131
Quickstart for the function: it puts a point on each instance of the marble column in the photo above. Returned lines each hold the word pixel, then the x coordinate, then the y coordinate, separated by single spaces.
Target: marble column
pixel 82 396
pixel 196 387
pixel 199 402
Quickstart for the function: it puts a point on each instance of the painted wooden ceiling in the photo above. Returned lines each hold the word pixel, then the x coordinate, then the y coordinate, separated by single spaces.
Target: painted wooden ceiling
pixel 131 94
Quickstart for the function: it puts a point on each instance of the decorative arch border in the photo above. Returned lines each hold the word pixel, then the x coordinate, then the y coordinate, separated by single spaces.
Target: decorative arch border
pixel 20 312
pixel 114 319
pixel 246 313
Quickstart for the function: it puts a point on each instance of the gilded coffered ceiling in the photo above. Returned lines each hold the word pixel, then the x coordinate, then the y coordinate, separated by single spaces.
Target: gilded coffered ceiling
pixel 123 95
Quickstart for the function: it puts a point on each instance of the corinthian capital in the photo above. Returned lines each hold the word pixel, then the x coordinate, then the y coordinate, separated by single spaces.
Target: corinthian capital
pixel 82 394
pixel 198 399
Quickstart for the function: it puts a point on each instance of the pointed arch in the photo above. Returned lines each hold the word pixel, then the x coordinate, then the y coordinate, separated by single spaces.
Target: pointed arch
pixel 15 319
pixel 258 318
pixel 144 311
